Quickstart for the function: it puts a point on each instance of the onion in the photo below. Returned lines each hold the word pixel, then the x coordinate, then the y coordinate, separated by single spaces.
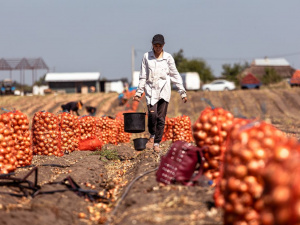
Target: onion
pixel 240 171
pixel 281 153
pixel 281 195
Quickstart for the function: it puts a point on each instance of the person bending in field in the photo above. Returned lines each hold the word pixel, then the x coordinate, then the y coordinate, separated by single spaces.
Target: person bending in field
pixel 72 107
pixel 91 110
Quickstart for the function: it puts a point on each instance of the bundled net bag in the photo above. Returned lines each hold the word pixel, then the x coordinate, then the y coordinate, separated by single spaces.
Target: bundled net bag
pixel 70 132
pixel 168 130
pixel 8 161
pixel 46 138
pixel 182 129
pixel 241 186
pixel 281 177
pixel 211 129
pixel 107 130
pixel 90 144
pixel 87 127
pixel 21 137
pixel 88 138
pixel 122 136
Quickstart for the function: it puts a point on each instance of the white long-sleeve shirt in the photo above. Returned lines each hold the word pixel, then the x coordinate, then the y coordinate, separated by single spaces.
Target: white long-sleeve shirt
pixel 156 76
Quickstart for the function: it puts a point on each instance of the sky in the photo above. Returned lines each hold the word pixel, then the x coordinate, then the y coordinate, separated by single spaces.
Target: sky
pixel 98 35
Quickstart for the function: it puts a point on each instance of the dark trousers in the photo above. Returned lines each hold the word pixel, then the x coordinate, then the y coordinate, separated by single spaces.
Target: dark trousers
pixel 156 119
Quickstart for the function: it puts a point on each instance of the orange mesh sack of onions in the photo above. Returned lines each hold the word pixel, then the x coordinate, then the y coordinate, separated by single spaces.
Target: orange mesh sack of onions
pixel 21 137
pixel 46 134
pixel 69 131
pixel 211 130
pixel 168 130
pixel 8 161
pixel 88 138
pixel 241 186
pixel 281 177
pixel 107 130
pixel 218 195
pixel 122 137
pixel 87 127
pixel 182 129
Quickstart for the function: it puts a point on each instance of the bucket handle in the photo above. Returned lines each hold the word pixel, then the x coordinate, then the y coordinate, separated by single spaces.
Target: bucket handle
pixel 142 105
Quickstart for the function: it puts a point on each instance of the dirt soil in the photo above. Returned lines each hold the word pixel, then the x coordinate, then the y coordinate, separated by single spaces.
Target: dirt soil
pixel 128 197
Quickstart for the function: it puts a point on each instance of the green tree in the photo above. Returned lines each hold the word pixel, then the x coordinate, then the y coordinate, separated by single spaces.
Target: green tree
pixel 231 72
pixel 178 57
pixel 270 77
pixel 193 65
pixel 41 81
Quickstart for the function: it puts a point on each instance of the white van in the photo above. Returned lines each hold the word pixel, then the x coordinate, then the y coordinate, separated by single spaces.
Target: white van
pixel 191 81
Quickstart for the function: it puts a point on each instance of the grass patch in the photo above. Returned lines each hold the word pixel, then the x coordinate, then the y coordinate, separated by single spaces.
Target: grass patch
pixel 110 154
pixel 97 152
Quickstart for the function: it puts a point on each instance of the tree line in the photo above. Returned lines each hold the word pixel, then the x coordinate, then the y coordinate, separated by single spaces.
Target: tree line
pixel 229 72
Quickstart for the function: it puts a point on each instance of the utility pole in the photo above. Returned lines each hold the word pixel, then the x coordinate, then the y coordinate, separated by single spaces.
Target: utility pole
pixel 132 63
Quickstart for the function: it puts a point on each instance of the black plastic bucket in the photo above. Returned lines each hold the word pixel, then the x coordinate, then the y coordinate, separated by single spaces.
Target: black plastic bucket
pixel 140 143
pixel 134 122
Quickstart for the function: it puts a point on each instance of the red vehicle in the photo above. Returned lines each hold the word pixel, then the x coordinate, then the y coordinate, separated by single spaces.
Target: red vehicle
pixel 295 80
pixel 250 82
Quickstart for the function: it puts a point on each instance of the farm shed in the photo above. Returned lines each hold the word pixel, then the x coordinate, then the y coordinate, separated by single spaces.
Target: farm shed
pixel 280 65
pixel 250 81
pixel 74 82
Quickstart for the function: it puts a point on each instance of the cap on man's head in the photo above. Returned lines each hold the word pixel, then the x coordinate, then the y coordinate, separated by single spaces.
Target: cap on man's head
pixel 158 39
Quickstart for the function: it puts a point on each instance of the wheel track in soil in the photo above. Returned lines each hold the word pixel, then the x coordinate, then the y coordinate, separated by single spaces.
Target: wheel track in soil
pixel 214 98
pixel 252 106
pixel 107 103
pixel 233 103
pixel 266 108
pixel 41 105
pixel 293 101
pixel 282 105
pixel 22 103
pixel 242 107
pixel 292 97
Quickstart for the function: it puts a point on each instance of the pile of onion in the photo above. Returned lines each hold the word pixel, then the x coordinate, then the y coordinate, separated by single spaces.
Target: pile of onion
pixel 122 137
pixel 168 131
pixel 241 185
pixel 21 137
pixel 282 179
pixel 8 162
pixel 182 129
pixel 107 130
pixel 210 131
pixel 46 138
pixel 87 127
pixel 69 131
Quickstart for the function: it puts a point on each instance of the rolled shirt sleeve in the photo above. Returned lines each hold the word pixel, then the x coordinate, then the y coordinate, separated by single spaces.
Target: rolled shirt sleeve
pixel 142 78
pixel 175 77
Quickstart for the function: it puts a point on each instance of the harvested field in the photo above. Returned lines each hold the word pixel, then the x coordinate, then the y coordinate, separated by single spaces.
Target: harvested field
pixel 146 202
